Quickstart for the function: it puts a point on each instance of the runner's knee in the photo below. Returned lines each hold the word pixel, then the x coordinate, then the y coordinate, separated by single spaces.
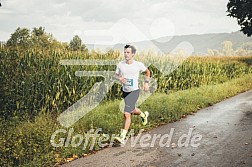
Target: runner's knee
pixel 127 115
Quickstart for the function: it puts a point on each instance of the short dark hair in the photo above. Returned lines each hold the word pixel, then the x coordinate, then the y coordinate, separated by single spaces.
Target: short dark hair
pixel 133 49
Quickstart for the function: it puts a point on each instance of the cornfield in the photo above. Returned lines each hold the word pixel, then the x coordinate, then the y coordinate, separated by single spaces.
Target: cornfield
pixel 34 80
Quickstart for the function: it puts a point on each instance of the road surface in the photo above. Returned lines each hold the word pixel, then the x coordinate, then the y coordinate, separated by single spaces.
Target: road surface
pixel 217 136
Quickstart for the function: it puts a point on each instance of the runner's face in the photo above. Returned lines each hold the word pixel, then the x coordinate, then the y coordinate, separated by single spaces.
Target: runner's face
pixel 128 54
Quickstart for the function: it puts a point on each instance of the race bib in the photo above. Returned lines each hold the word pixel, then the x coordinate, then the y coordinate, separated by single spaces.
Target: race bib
pixel 129 82
pixel 128 86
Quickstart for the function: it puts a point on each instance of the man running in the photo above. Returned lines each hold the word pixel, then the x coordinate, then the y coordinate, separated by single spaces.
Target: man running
pixel 127 72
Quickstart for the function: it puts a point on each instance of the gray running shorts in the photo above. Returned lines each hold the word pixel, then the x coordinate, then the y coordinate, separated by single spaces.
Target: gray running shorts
pixel 130 99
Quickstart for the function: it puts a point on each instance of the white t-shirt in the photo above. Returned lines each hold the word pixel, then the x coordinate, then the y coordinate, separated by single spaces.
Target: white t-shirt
pixel 131 73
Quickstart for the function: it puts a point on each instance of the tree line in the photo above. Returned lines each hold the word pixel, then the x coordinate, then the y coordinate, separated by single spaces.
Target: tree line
pixel 24 38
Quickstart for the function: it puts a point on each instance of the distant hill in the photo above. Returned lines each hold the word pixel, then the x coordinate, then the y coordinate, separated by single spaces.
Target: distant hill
pixel 200 43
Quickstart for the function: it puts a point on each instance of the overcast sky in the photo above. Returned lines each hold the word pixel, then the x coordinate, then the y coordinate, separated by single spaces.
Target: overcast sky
pixel 112 21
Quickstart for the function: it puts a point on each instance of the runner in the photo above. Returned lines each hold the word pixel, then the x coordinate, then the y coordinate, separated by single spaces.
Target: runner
pixel 127 72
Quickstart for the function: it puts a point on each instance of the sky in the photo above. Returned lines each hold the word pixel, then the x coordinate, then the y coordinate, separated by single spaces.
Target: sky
pixel 114 21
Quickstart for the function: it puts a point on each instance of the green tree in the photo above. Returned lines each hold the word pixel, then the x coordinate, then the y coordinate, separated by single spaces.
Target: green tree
pixel 21 37
pixel 41 39
pixel 76 44
pixel 242 10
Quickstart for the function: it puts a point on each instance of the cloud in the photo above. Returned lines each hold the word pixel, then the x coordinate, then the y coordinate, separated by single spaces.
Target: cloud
pixel 66 18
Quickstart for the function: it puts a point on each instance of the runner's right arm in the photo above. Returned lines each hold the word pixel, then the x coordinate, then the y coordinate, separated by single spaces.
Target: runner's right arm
pixel 120 79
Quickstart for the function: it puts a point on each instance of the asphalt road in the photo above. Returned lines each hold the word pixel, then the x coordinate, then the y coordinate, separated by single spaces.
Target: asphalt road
pixel 217 136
